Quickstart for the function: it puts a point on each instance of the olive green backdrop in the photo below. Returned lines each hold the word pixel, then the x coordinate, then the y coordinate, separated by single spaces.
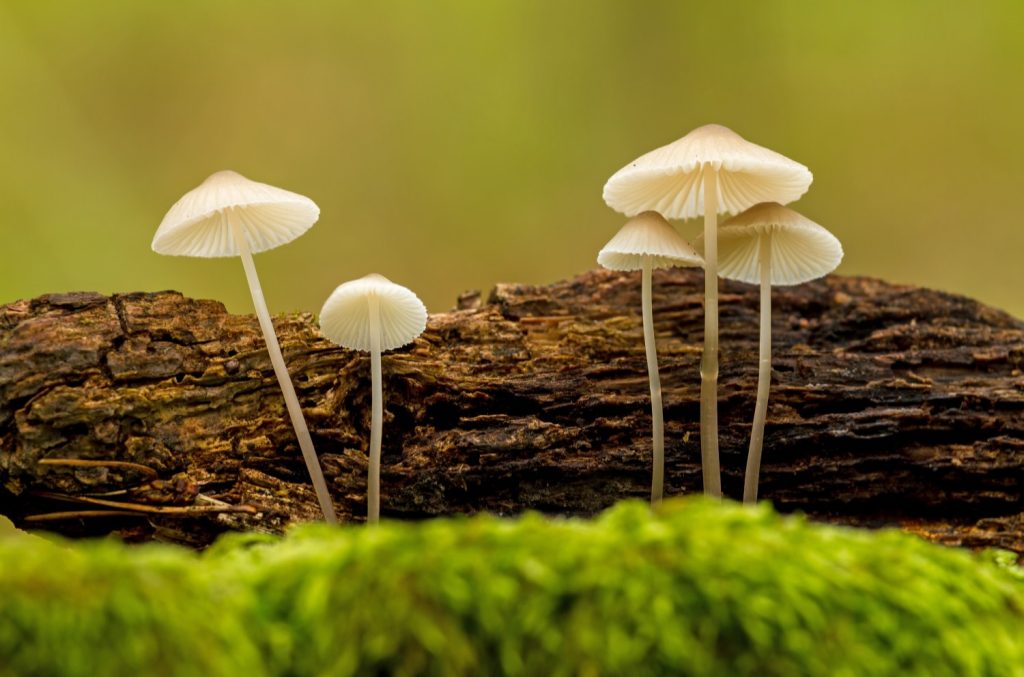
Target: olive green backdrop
pixel 454 144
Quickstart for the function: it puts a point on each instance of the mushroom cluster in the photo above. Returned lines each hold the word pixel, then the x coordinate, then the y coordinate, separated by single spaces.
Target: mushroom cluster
pixel 230 215
pixel 714 170
pixel 709 171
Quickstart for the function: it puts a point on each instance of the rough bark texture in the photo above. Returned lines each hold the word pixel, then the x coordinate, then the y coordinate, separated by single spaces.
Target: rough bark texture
pixel 889 405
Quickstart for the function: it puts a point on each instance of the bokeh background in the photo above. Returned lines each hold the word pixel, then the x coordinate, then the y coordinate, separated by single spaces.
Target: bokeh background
pixel 454 144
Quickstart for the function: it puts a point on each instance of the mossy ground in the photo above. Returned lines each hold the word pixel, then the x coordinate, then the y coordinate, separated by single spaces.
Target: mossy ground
pixel 696 588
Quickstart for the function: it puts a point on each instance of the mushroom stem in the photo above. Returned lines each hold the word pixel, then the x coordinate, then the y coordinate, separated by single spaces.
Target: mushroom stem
pixel 285 381
pixel 709 360
pixel 764 374
pixel 657 417
pixel 376 415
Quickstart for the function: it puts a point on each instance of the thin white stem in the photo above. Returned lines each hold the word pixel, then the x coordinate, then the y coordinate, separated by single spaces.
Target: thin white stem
pixel 657 417
pixel 376 416
pixel 709 361
pixel 291 400
pixel 764 374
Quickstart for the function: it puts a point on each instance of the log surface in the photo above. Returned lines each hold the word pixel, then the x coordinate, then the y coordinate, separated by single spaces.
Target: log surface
pixel 158 417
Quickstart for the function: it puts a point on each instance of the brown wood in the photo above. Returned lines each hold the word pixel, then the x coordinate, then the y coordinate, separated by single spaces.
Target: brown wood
pixel 890 405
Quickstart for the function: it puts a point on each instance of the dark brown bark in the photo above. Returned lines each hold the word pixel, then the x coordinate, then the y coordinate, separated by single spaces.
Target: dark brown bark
pixel 889 405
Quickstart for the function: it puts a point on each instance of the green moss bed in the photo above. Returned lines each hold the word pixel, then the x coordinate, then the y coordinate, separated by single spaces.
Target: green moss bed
pixel 696 588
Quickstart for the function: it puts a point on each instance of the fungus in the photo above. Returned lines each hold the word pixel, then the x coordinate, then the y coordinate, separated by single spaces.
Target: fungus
pixel 373 314
pixel 772 245
pixel 648 241
pixel 230 215
pixel 710 170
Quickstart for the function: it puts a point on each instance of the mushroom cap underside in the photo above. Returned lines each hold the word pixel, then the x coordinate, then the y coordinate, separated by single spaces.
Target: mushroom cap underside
pixel 648 235
pixel 801 250
pixel 669 179
pixel 200 223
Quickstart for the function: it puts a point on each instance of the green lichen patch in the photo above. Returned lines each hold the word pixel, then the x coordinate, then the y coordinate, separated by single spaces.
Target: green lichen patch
pixel 697 588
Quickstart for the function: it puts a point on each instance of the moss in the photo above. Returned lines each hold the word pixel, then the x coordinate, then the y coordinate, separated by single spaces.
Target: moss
pixel 102 608
pixel 699 588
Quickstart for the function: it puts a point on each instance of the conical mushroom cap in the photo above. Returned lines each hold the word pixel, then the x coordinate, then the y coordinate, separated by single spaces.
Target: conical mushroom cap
pixel 345 317
pixel 801 250
pixel 198 224
pixel 648 234
pixel 670 179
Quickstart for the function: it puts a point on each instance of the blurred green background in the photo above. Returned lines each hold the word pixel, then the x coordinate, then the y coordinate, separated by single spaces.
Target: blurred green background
pixel 454 144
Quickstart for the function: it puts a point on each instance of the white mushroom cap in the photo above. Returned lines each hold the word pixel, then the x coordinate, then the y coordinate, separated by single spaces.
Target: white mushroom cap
pixel 198 224
pixel 648 234
pixel 345 317
pixel 801 250
pixel 670 179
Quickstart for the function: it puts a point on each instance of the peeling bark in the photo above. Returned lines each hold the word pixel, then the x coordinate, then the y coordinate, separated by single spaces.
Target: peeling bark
pixel 890 405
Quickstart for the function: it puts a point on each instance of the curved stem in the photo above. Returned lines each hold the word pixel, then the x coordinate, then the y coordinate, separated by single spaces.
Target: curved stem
pixel 657 417
pixel 709 361
pixel 764 374
pixel 291 400
pixel 376 416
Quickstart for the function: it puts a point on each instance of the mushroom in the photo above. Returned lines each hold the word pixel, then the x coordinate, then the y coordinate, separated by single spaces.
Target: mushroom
pixel 648 241
pixel 710 170
pixel 373 314
pixel 230 215
pixel 772 245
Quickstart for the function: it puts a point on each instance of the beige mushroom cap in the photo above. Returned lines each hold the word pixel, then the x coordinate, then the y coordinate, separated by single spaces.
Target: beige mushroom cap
pixel 801 250
pixel 345 317
pixel 648 234
pixel 670 179
pixel 199 223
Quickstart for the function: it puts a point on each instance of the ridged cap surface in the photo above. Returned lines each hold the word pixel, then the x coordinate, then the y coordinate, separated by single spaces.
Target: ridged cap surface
pixel 345 317
pixel 801 249
pixel 648 234
pixel 198 224
pixel 669 179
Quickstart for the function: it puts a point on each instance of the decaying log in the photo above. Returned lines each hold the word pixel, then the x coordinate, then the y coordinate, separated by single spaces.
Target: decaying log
pixel 889 405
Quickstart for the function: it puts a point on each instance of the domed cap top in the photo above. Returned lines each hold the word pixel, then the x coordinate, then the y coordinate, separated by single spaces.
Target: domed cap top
pixel 670 179
pixel 345 317
pixel 199 224
pixel 801 250
pixel 648 234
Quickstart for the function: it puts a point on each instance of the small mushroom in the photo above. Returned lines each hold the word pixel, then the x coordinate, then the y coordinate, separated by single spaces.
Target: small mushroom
pixel 772 245
pixel 648 241
pixel 710 170
pixel 373 314
pixel 230 215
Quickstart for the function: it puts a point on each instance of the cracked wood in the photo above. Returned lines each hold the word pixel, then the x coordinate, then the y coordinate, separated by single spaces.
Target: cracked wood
pixel 890 405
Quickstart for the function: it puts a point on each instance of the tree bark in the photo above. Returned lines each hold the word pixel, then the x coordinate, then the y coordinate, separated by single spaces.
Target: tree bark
pixel 890 405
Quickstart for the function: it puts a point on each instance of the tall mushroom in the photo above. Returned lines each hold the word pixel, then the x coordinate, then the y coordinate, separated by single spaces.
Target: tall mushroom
pixel 710 170
pixel 648 241
pixel 373 314
pixel 772 245
pixel 230 215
